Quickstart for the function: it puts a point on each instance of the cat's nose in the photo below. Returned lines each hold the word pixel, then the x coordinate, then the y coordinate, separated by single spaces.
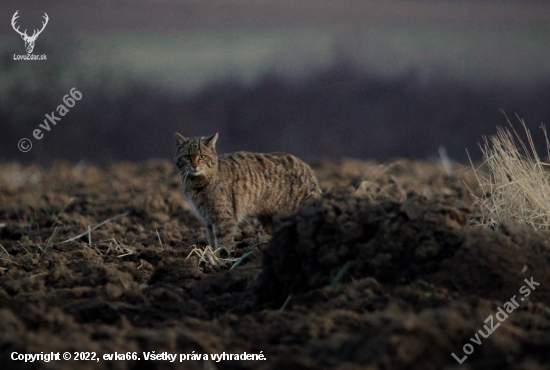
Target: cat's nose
pixel 194 166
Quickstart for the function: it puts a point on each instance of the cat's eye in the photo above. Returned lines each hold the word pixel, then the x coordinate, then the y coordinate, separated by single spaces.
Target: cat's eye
pixel 187 157
pixel 202 157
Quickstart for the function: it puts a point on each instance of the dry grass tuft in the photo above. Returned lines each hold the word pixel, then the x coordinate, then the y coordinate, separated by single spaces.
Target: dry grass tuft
pixel 211 256
pixel 517 186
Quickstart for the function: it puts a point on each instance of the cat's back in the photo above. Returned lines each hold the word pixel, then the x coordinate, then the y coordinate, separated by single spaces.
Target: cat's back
pixel 271 172
pixel 267 163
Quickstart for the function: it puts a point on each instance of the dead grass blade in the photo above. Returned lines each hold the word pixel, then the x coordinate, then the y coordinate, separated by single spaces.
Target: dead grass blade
pixel 446 161
pixel 95 227
pixel 4 249
pixel 5 259
pixel 160 240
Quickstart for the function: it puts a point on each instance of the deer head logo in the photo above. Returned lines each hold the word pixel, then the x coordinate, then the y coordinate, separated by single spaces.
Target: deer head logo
pixel 29 40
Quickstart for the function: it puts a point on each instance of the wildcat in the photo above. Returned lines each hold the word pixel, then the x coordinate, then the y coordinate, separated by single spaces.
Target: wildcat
pixel 224 189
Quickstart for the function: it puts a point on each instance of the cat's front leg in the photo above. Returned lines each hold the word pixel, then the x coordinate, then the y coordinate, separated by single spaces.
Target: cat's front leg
pixel 211 236
pixel 224 232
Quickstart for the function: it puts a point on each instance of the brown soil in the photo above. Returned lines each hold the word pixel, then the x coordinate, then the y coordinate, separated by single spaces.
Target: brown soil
pixel 394 275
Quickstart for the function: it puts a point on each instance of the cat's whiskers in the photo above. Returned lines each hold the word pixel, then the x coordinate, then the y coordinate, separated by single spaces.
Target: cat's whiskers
pixel 185 177
pixel 185 173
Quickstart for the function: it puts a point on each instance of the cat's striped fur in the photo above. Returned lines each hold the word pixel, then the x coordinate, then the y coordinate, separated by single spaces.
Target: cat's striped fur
pixel 225 189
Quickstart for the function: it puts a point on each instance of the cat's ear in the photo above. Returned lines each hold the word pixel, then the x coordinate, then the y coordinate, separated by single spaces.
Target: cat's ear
pixel 211 140
pixel 180 140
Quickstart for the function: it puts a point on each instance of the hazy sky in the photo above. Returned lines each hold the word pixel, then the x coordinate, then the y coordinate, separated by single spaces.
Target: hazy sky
pixel 185 44
pixel 467 59
pixel 165 15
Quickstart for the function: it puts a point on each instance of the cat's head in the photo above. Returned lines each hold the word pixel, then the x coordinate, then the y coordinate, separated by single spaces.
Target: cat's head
pixel 196 156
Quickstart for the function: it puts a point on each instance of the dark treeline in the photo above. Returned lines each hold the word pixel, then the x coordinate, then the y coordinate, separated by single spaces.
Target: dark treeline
pixel 340 112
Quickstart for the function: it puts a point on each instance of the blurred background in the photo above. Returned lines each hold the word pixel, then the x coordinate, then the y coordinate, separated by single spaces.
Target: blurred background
pixel 321 79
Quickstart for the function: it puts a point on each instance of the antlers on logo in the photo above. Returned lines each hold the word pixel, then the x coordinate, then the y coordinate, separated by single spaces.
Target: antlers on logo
pixel 29 40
